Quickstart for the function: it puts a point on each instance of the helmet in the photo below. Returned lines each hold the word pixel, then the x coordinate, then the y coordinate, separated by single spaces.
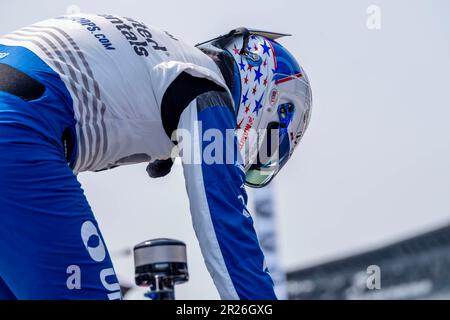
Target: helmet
pixel 273 101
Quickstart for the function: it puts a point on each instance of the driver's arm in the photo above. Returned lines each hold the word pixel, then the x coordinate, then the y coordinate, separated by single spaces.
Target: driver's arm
pixel 218 199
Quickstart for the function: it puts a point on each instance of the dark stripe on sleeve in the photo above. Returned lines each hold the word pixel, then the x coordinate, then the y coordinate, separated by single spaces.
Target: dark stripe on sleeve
pixel 181 92
pixel 21 85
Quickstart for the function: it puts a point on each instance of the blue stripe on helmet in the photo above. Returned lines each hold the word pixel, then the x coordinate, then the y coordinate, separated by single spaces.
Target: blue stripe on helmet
pixel 286 63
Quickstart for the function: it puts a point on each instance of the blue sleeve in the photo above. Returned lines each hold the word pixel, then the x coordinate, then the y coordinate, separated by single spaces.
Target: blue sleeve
pixel 218 199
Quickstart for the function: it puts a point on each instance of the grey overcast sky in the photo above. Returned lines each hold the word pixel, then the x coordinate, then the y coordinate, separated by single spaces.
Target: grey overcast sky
pixel 375 163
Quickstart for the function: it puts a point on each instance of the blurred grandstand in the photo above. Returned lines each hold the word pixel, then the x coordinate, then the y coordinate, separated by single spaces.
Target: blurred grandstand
pixel 416 268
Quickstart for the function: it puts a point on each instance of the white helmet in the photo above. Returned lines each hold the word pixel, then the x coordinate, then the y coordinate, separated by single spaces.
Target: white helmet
pixel 273 94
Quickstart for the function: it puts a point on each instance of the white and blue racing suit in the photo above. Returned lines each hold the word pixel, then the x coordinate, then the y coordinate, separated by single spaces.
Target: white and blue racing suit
pixel 89 93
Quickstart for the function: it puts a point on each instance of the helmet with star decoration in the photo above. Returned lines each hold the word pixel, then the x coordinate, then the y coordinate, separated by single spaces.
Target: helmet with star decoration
pixel 273 100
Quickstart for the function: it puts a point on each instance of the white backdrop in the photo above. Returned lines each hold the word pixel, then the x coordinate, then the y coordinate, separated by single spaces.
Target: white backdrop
pixel 374 165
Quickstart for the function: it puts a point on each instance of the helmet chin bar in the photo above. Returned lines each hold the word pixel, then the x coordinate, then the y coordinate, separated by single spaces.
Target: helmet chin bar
pixel 261 174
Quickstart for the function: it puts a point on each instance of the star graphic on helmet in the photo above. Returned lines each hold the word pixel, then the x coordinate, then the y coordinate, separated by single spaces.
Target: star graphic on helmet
pixel 245 97
pixel 249 67
pixel 254 89
pixel 242 65
pixel 239 124
pixel 266 48
pixel 258 74
pixel 246 79
pixel 259 105
pixel 236 50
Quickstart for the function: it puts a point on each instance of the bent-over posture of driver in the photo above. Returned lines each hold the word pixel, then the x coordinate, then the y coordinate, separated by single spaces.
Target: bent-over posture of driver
pixel 92 92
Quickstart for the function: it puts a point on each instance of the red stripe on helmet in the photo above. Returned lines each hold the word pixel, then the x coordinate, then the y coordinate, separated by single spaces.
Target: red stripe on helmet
pixel 273 55
pixel 289 78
